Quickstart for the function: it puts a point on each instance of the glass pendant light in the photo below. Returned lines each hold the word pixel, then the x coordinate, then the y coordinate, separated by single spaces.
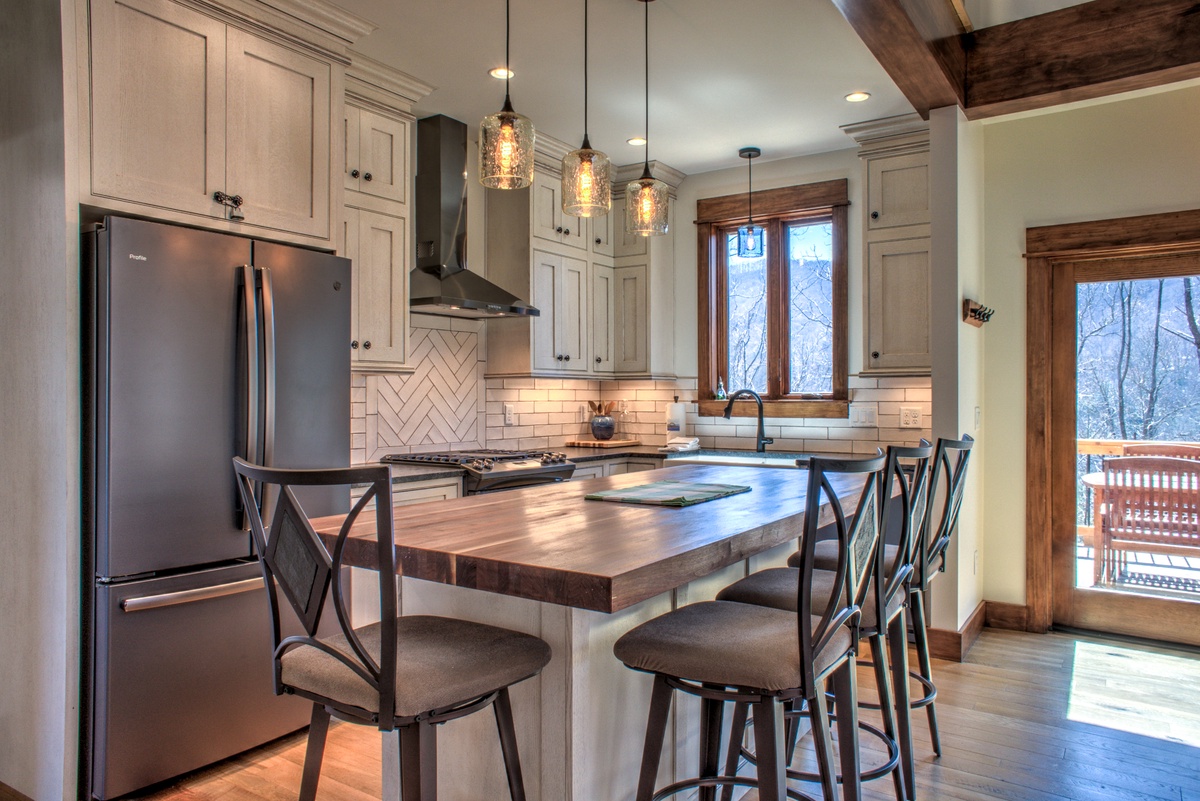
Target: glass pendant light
pixel 750 236
pixel 586 173
pixel 506 139
pixel 646 198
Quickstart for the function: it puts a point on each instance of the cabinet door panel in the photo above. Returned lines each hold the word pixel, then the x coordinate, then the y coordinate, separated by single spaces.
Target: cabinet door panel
pixel 898 304
pixel 602 233
pixel 898 191
pixel 625 243
pixel 382 292
pixel 383 154
pixel 545 211
pixel 573 314
pixel 278 124
pixel 544 278
pixel 350 249
pixel 158 104
pixel 574 231
pixel 632 340
pixel 352 122
pixel 603 319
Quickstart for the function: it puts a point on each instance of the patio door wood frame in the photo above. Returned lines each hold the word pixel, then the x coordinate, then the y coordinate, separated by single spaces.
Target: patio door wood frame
pixel 1057 258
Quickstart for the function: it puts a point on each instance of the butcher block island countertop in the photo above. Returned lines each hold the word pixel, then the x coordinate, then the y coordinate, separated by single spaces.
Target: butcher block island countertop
pixel 549 544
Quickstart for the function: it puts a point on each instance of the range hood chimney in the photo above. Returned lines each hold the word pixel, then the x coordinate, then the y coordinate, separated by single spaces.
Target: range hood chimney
pixel 441 283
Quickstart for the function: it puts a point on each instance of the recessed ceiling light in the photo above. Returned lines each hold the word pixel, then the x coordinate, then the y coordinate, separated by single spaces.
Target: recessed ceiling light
pixel 500 72
pixel 857 97
pixel 636 141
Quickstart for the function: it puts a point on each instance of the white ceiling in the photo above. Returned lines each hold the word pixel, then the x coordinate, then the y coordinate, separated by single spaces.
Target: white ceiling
pixel 723 75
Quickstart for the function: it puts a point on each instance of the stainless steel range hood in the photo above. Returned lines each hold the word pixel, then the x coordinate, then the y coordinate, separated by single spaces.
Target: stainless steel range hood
pixel 441 283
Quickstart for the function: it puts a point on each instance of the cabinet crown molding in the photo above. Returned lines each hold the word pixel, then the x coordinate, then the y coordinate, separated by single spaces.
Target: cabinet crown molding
pixel 326 16
pixel 373 80
pixel 880 132
pixel 663 172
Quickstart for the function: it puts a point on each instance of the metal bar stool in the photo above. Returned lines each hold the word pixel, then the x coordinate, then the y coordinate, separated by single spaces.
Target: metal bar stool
pixel 407 673
pixel 764 657
pixel 887 589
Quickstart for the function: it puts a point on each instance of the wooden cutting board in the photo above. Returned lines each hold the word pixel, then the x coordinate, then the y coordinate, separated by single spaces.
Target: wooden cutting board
pixel 602 443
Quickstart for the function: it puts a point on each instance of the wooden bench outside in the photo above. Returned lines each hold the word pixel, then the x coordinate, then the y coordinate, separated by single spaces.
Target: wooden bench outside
pixel 1151 504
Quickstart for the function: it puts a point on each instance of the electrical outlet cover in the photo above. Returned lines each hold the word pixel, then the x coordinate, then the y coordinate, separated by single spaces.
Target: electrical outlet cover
pixel 910 416
pixel 508 414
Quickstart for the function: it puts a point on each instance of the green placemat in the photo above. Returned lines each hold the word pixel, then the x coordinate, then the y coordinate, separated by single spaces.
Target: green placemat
pixel 668 493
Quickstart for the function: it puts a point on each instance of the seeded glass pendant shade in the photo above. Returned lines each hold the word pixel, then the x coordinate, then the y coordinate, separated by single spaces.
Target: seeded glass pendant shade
pixel 750 236
pixel 586 173
pixel 506 140
pixel 646 200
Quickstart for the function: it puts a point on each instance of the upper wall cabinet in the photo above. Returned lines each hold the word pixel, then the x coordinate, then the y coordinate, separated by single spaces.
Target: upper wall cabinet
pixel 548 221
pixel 376 161
pixel 897 190
pixel 181 101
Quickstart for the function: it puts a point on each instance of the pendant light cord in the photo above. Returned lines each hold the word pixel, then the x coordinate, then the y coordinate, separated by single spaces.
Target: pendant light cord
pixel 507 34
pixel 647 27
pixel 750 189
pixel 585 70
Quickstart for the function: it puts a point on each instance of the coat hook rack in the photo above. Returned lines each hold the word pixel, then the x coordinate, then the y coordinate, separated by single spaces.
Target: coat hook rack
pixel 976 313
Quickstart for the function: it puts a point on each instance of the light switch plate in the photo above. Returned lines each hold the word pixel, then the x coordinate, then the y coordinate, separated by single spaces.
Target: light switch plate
pixel 863 415
pixel 509 414
pixel 910 416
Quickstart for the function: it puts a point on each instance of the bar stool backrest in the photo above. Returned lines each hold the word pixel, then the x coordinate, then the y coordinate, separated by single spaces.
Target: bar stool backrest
pixel 858 534
pixel 295 558
pixel 950 461
pixel 907 468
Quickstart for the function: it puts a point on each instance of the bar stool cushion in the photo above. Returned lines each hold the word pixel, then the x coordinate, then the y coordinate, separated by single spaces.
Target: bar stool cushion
pixel 726 643
pixel 440 662
pixel 776 587
pixel 826 556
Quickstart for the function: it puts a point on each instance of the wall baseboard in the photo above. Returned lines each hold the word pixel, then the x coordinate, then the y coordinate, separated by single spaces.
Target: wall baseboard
pixel 9 794
pixel 954 645
pixel 1013 617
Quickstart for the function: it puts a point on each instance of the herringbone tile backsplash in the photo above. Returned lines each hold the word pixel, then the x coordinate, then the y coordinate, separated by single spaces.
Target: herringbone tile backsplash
pixel 438 405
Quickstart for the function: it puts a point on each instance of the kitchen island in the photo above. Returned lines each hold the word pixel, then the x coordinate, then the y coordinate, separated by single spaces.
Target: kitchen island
pixel 579 574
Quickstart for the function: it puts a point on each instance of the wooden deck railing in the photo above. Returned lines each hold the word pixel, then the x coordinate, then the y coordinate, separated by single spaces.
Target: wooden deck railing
pixel 1094 451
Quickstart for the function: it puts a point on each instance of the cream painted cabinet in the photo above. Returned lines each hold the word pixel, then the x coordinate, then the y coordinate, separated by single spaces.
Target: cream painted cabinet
pixel 644 303
pixel 601 233
pixel 376 157
pixel 377 246
pixel 547 220
pixel 631 294
pixel 603 323
pixel 178 104
pixel 895 157
pixel 559 287
pixel 897 284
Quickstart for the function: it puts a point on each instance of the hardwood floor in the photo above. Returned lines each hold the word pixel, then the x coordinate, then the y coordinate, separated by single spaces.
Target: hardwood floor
pixel 1025 718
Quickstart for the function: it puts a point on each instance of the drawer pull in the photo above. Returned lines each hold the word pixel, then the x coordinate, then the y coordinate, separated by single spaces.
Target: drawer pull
pixel 190 596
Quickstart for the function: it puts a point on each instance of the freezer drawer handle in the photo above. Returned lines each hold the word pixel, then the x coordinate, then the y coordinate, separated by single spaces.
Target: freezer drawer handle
pixel 189 596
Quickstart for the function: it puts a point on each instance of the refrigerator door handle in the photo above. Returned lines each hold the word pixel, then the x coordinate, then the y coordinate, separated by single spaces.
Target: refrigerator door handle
pixel 249 282
pixel 190 596
pixel 268 324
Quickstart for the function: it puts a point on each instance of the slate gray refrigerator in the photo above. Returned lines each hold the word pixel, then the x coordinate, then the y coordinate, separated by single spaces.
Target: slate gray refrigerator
pixel 198 346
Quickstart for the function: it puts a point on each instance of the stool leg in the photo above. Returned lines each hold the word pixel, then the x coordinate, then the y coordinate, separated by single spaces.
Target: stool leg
pixel 711 715
pixel 883 681
pixel 924 664
pixel 317 729
pixel 508 745
pixel 897 640
pixel 768 749
pixel 845 700
pixel 736 733
pixel 418 762
pixel 656 732
pixel 818 715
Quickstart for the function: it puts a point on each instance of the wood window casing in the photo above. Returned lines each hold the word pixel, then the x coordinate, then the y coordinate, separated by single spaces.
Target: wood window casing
pixel 773 209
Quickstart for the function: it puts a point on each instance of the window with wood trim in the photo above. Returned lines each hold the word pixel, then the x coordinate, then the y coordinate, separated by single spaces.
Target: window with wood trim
pixel 776 323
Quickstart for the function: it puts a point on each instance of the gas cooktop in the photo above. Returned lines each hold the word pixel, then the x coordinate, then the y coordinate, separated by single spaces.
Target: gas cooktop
pixel 489 469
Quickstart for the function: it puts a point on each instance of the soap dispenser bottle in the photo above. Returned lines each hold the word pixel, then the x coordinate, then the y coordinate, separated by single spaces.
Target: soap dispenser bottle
pixel 720 388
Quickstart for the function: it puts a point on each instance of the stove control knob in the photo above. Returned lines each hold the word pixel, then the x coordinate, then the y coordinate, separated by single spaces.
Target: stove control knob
pixel 488 464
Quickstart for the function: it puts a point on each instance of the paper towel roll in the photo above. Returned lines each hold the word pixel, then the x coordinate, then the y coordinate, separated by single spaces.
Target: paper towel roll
pixel 676 415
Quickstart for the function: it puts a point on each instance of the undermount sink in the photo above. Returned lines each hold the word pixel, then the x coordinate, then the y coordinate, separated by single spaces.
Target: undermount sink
pixel 744 458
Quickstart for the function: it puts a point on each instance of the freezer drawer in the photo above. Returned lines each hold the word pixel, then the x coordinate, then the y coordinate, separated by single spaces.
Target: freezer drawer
pixel 182 677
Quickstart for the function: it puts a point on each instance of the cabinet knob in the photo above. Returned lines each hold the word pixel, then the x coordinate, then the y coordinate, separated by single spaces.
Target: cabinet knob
pixel 598 360
pixel 558 230
pixel 566 230
pixel 566 358
pixel 367 345
pixel 354 173
pixel 597 240
pixel 354 344
pixel 874 215
pixel 874 354
pixel 366 176
pixel 558 357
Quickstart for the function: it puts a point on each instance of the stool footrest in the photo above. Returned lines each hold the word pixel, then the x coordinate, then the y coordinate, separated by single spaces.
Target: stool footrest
pixel 867 774
pixel 721 781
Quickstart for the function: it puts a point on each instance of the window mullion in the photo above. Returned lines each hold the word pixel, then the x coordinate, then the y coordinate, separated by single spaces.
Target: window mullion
pixel 776 312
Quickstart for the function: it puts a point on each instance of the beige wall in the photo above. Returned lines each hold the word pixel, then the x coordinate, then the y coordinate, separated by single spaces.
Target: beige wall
pixel 39 424
pixel 1103 160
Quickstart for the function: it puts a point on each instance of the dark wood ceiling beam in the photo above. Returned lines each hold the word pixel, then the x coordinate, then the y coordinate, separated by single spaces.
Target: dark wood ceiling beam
pixel 917 42
pixel 1081 52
